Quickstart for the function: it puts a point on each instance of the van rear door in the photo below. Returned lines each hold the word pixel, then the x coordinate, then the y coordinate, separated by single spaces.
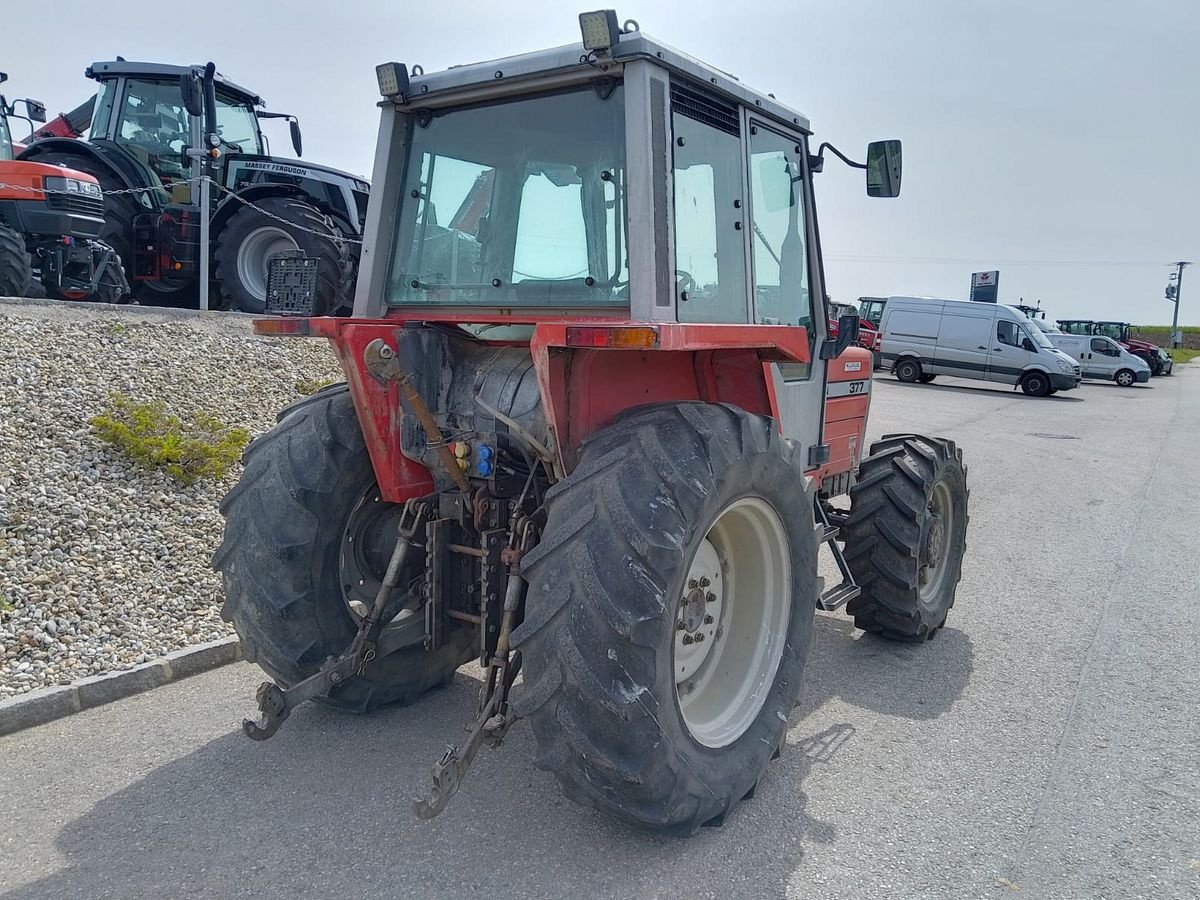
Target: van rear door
pixel 963 340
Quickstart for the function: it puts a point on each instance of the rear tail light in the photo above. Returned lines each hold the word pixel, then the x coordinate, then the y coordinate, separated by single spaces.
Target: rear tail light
pixel 619 338
pixel 282 327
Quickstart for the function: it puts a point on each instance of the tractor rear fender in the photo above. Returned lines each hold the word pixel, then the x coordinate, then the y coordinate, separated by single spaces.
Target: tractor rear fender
pixel 586 378
pixel 229 204
pixel 124 168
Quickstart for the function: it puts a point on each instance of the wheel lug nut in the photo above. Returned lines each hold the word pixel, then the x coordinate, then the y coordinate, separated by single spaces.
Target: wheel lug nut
pixel 708 620
pixel 680 626
pixel 711 597
pixel 688 639
pixel 704 582
pixel 700 637
pixel 692 584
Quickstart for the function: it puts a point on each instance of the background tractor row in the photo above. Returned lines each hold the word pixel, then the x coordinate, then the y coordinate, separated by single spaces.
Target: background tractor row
pixel 594 430
pixel 152 131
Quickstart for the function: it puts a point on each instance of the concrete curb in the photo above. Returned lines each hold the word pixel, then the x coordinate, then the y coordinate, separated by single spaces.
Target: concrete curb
pixel 46 705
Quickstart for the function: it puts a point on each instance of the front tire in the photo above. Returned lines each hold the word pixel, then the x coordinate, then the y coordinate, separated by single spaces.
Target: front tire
pixel 1125 378
pixel 305 533
pixel 906 536
pixel 1036 384
pixel 908 370
pixel 657 689
pixel 926 379
pixel 252 238
pixel 14 264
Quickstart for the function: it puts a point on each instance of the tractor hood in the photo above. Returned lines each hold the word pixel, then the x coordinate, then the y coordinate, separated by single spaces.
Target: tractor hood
pixel 281 166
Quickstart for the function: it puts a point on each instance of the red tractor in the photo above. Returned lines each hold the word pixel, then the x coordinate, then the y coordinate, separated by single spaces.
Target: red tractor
pixel 595 434
pixel 50 222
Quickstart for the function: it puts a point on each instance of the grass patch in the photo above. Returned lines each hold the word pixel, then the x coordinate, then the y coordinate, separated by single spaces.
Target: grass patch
pixel 202 446
pixel 309 386
pixel 115 328
pixel 1182 354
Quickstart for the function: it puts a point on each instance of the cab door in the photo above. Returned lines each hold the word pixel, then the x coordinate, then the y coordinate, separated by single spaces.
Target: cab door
pixel 1009 356
pixel 785 281
pixel 1104 357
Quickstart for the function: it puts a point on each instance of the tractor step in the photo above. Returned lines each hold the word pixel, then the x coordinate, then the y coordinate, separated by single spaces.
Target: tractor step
pixel 837 597
pixel 831 521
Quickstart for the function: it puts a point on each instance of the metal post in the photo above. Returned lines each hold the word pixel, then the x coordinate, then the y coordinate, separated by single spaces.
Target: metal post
pixel 1179 266
pixel 204 211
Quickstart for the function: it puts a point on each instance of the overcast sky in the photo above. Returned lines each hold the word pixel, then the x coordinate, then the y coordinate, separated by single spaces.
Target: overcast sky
pixel 1055 140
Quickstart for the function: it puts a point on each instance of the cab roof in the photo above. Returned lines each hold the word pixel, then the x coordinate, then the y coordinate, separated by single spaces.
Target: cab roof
pixel 498 76
pixel 102 71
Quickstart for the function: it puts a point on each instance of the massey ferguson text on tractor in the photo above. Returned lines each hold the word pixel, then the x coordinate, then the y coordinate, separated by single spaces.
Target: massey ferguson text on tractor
pixel 595 434
pixel 159 128
pixel 50 222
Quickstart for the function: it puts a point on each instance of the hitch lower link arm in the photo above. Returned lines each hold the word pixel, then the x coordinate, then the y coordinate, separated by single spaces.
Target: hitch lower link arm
pixel 276 703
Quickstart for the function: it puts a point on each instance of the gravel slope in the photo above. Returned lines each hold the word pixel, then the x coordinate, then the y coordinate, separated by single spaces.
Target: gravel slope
pixel 104 564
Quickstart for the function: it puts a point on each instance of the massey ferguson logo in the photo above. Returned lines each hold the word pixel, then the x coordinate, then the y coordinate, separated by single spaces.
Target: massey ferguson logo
pixel 276 167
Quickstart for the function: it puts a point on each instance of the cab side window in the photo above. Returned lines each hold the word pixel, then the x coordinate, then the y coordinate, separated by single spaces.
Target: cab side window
pixel 1008 333
pixel 1100 346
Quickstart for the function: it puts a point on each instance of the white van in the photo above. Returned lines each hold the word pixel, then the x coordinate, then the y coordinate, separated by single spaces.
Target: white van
pixel 923 337
pixel 1102 357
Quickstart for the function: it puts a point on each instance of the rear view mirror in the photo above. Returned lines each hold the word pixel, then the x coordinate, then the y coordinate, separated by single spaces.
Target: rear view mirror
pixel 297 143
pixel 775 181
pixel 35 110
pixel 883 169
pixel 847 334
pixel 190 88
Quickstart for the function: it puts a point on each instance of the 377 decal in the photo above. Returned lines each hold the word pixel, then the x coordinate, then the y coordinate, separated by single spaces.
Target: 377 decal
pixel 848 388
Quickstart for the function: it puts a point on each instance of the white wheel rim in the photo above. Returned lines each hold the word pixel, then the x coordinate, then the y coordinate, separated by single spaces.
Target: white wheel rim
pixel 732 621
pixel 256 251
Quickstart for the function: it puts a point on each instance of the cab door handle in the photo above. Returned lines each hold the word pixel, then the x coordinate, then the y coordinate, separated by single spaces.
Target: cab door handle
pixel 981 347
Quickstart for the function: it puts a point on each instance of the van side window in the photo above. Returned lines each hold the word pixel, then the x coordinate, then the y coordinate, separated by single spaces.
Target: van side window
pixel 1102 346
pixel 1008 333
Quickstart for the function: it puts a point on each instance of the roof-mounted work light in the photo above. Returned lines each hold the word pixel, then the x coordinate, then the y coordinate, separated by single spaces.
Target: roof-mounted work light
pixel 600 30
pixel 393 79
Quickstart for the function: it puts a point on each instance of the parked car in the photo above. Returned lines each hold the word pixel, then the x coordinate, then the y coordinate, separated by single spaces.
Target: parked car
pixel 1103 358
pixel 1167 363
pixel 923 337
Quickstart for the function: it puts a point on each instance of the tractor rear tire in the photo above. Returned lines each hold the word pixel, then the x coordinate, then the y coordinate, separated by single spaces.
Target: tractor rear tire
pixel 1036 384
pixel 627 712
pixel 14 264
pixel 906 536
pixel 251 238
pixel 908 370
pixel 285 557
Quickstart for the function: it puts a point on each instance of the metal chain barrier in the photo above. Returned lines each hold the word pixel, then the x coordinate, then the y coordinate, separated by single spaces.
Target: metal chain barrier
pixel 212 183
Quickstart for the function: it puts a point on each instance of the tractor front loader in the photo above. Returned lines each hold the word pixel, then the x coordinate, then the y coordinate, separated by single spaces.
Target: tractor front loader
pixel 594 431
pixel 50 223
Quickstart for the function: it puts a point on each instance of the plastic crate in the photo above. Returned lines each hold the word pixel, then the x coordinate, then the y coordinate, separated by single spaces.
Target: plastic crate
pixel 292 284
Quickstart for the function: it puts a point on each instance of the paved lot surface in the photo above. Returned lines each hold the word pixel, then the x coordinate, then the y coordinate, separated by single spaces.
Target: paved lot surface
pixel 1047 744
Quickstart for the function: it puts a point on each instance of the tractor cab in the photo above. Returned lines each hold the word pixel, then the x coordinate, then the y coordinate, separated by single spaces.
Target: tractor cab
pixel 1077 326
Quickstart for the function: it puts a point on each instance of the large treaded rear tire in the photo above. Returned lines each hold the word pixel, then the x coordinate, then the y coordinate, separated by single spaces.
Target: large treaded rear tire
pixel 600 621
pixel 14 264
pixel 311 231
pixel 888 530
pixel 280 558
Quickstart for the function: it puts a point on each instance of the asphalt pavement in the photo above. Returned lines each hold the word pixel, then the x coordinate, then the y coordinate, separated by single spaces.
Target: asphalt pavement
pixel 1045 745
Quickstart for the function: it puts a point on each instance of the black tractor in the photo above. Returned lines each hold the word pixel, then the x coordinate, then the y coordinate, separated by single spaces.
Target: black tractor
pixel 153 131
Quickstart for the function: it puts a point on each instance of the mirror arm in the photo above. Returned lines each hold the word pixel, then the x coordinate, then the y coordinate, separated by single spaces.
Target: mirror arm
pixel 817 163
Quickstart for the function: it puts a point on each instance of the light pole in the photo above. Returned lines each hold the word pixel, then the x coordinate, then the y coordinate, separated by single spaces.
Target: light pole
pixel 1173 293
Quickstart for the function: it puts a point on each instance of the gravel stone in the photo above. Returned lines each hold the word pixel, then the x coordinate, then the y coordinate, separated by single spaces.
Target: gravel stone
pixel 104 564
